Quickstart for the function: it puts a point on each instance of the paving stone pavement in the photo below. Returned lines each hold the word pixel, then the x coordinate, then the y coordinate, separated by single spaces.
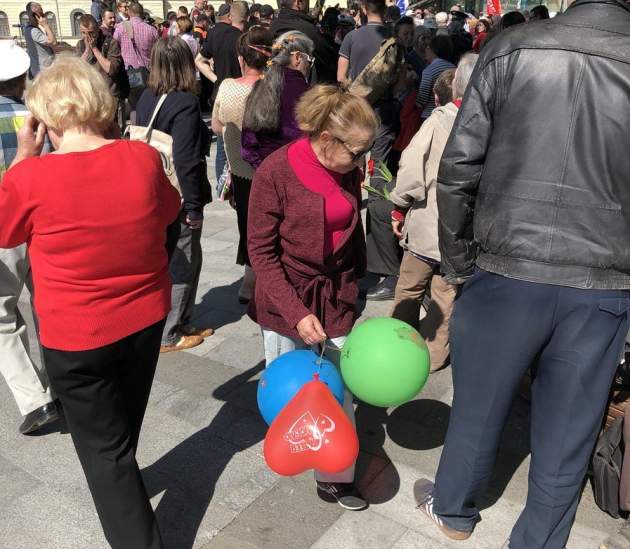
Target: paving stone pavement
pixel 201 454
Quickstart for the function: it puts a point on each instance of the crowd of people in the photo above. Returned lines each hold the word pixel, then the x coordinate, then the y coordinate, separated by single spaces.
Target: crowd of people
pixel 495 184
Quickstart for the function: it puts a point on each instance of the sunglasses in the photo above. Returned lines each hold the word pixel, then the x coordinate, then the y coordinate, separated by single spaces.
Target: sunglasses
pixel 309 58
pixel 356 156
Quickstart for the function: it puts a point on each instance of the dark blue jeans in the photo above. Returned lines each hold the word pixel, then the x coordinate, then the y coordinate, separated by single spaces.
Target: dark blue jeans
pixel 499 328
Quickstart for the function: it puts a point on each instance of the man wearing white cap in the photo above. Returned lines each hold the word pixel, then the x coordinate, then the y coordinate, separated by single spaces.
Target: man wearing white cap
pixel 30 387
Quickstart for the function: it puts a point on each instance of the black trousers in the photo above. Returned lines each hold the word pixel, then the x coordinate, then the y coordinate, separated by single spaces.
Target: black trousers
pixel 241 188
pixel 384 253
pixel 499 328
pixel 104 394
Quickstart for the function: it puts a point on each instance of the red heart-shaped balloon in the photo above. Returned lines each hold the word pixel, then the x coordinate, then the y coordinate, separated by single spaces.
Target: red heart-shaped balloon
pixel 311 432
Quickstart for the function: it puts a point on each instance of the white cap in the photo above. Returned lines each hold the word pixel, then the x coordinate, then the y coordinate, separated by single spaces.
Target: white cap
pixel 15 61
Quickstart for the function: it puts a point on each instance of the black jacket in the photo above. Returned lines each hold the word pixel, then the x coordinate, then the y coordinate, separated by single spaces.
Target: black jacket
pixel 534 182
pixel 180 117
pixel 325 54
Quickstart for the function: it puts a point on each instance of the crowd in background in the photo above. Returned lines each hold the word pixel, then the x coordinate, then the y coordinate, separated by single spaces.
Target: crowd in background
pixel 491 185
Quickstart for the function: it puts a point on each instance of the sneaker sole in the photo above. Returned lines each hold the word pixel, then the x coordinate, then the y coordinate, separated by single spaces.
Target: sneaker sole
pixel 349 508
pixel 330 498
pixel 449 532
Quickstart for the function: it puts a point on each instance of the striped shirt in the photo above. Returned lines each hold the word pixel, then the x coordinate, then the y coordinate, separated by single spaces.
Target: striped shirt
pixel 12 116
pixel 426 98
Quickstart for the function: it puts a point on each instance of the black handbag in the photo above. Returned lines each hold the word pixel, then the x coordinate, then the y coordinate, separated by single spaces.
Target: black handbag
pixel 606 467
pixel 137 77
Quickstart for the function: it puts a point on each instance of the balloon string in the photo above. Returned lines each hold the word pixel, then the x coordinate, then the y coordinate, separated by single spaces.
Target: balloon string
pixel 321 355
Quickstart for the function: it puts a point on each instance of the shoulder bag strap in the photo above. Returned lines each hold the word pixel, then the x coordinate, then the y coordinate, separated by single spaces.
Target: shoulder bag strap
pixel 128 26
pixel 129 31
pixel 157 110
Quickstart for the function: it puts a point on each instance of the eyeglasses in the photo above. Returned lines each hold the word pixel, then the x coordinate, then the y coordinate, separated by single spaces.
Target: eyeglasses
pixel 309 58
pixel 356 156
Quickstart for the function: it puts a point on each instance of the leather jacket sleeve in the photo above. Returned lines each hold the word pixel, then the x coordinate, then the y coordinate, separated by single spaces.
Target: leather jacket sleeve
pixel 459 174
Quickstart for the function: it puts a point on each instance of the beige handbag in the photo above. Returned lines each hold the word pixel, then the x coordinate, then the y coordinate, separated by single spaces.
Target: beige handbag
pixel 160 141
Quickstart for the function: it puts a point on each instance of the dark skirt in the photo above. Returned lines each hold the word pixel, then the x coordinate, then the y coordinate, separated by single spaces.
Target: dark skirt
pixel 240 190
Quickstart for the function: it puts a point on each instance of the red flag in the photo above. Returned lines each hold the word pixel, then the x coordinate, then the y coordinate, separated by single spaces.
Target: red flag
pixel 493 7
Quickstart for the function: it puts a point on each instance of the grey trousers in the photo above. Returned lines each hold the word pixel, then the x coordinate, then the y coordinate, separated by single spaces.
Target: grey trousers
pixel 276 345
pixel 29 386
pixel 184 268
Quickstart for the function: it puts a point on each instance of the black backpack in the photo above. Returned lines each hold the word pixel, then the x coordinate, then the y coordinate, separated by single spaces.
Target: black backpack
pixel 606 464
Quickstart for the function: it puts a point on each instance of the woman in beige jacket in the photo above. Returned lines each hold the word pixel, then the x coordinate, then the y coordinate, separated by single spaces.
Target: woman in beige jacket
pixel 415 219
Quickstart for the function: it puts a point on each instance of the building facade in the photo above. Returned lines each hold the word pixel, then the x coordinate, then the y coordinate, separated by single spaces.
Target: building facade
pixel 63 16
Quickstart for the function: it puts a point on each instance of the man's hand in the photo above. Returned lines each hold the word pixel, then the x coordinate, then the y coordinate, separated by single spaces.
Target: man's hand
pixel 194 223
pixel 310 330
pixel 397 227
pixel 30 139
pixel 88 49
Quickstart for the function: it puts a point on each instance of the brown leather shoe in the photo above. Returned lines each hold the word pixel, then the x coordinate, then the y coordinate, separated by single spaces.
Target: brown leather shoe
pixel 185 342
pixel 194 331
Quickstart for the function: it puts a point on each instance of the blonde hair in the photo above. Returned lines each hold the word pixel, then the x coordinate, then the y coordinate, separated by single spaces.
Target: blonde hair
pixel 71 93
pixel 330 108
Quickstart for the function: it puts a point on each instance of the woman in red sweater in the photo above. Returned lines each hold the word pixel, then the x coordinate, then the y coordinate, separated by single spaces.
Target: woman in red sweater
pixel 306 241
pixel 94 215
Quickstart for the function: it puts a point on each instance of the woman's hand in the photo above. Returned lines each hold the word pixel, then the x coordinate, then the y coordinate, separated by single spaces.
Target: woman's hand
pixel 310 330
pixel 30 139
pixel 397 227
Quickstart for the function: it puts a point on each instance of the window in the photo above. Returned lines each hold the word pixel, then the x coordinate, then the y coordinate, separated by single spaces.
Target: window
pixel 51 18
pixel 5 29
pixel 74 22
pixel 23 19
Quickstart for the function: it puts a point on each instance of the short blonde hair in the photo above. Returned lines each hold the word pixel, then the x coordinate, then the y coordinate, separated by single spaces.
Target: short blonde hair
pixel 331 108
pixel 441 18
pixel 71 93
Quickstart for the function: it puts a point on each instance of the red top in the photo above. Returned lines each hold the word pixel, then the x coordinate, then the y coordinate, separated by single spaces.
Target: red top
pixel 95 224
pixel 285 234
pixel 479 41
pixel 315 177
pixel 410 121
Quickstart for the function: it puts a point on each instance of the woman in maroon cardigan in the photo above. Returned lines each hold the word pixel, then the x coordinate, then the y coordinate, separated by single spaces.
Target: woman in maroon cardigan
pixel 306 241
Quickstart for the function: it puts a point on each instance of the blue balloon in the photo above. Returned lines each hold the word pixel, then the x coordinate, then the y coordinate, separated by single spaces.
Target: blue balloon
pixel 286 375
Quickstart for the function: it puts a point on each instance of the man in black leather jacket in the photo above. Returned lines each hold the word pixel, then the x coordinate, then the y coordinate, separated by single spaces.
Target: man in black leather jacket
pixel 534 209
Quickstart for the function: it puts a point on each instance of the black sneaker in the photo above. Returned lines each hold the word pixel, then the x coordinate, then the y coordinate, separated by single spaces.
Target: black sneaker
pixel 384 290
pixel 344 493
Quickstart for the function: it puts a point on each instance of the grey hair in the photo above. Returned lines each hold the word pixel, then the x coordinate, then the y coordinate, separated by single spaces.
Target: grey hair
pixel 421 31
pixel 262 108
pixel 462 74
pixel 288 43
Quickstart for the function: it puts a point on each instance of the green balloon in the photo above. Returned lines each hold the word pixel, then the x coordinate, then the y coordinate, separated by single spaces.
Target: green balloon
pixel 385 362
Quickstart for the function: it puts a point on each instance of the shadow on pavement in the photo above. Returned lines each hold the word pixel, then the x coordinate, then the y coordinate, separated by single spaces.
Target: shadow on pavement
pixel 419 425
pixel 188 473
pixel 371 431
pixel 219 306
